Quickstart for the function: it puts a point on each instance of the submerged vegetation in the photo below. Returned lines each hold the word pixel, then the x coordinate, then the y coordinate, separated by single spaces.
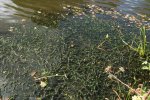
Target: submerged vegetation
pixel 68 63
pixel 81 57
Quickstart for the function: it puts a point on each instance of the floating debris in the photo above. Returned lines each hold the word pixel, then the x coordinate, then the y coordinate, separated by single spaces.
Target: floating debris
pixel 139 20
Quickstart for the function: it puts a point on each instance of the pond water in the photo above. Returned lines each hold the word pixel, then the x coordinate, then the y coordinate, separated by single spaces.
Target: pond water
pixel 12 10
pixel 71 43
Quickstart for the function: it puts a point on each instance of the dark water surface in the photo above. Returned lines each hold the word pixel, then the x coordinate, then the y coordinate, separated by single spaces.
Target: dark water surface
pixel 12 10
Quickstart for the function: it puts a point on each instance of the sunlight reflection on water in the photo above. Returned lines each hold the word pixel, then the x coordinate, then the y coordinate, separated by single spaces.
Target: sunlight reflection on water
pixel 12 9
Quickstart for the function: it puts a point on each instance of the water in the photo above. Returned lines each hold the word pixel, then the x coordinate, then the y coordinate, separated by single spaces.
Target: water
pixel 16 11
pixel 40 42
pixel 11 11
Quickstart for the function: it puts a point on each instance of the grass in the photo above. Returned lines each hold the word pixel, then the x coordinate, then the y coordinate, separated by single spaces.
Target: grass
pixel 78 51
pixel 141 49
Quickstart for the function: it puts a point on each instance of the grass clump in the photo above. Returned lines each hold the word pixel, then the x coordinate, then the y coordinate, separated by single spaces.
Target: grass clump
pixel 141 49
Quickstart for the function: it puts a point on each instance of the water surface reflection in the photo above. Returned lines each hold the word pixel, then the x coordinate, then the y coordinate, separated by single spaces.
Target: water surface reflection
pixel 12 10
pixel 26 7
